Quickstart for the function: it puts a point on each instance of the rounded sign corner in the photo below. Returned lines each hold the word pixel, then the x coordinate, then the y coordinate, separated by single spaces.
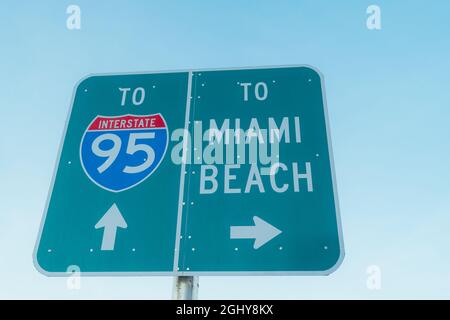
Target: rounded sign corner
pixel 39 268
pixel 337 264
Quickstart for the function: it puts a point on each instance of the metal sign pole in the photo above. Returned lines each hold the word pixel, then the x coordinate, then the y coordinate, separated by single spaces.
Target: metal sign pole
pixel 185 288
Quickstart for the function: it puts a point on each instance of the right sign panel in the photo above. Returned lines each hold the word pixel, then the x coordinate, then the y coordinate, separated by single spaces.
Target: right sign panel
pixel 260 194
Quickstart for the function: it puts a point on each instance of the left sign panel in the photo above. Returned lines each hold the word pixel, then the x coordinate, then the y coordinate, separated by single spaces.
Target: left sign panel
pixel 113 202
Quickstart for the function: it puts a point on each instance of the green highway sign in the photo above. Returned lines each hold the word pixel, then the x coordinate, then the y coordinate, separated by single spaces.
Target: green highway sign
pixel 208 172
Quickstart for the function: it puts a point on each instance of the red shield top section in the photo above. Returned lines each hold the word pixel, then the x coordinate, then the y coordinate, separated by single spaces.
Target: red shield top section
pixel 127 122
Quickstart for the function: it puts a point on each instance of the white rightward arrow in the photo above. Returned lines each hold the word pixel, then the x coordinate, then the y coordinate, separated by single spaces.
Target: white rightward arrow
pixel 110 221
pixel 262 232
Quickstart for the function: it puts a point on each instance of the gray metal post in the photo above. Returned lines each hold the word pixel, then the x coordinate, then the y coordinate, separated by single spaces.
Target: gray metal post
pixel 185 288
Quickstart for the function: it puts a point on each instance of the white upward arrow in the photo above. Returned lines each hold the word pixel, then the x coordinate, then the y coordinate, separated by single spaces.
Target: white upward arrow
pixel 262 232
pixel 110 221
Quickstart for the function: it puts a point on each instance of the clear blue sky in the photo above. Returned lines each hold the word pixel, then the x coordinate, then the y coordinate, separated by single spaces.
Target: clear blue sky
pixel 388 98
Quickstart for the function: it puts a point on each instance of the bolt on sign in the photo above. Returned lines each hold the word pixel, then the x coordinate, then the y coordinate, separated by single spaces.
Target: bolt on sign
pixel 209 172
